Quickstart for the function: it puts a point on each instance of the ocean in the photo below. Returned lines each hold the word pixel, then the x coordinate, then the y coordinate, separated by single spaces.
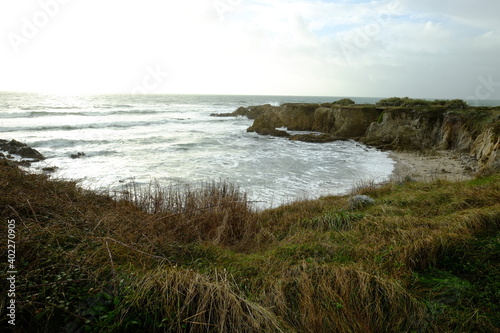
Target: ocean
pixel 173 140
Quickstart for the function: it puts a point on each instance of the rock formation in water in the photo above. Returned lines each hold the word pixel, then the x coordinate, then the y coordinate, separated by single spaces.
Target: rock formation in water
pixel 18 148
pixel 470 130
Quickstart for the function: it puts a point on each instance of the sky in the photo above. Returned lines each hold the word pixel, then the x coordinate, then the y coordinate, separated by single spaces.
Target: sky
pixel 415 48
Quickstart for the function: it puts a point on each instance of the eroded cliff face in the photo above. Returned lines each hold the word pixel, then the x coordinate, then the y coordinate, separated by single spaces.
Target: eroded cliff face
pixel 474 131
pixel 470 131
pixel 341 122
pixel 405 129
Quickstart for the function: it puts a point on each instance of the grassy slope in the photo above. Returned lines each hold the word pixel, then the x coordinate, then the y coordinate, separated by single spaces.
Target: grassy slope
pixel 424 257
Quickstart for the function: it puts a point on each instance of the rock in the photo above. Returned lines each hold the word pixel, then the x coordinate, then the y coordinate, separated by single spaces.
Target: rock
pixel 24 163
pixel 271 131
pixel 251 112
pixel 28 152
pixel 406 129
pixel 221 115
pixel 345 122
pixel 50 169
pixel 354 121
pixel 78 155
pixel 317 138
pixel 21 149
pixel 15 143
pixel 360 201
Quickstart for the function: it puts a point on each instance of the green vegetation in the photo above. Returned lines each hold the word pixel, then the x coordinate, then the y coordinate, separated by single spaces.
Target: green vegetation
pixel 455 104
pixel 344 102
pixel 423 257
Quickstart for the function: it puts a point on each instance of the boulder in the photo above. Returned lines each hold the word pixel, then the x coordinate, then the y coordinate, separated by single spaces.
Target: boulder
pixel 28 152
pixel 271 131
pixel 360 201
pixel 21 149
pixel 78 155
pixel 15 143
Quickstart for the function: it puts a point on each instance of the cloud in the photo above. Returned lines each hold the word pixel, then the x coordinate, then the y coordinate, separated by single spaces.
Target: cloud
pixel 350 48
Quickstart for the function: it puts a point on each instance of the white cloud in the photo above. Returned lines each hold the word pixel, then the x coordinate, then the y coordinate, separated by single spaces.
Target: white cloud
pixel 416 48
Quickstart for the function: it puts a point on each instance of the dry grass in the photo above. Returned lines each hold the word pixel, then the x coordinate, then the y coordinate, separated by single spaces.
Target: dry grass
pixel 199 259
pixel 325 298
pixel 187 301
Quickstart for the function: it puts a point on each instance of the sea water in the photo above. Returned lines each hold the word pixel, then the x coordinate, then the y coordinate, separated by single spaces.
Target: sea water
pixel 172 139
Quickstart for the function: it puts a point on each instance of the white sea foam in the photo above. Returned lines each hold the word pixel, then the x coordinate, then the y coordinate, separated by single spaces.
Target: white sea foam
pixel 174 139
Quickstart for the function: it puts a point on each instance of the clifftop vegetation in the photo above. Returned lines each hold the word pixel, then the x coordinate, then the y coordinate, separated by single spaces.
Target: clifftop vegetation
pixel 422 257
pixel 420 103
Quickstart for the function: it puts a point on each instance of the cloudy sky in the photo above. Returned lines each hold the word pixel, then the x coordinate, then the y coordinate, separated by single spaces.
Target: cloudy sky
pixel 417 48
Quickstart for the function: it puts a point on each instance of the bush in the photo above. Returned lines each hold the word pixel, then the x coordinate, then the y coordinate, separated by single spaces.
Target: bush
pixel 344 102
pixel 416 103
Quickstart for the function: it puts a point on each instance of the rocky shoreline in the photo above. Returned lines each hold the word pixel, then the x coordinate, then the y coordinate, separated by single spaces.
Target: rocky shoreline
pixel 445 139
pixel 425 143
pixel 26 155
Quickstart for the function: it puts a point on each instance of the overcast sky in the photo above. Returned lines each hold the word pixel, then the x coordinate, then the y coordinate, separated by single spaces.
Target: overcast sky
pixel 416 48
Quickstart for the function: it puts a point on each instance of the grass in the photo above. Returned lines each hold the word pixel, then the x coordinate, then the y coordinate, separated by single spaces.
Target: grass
pixel 423 258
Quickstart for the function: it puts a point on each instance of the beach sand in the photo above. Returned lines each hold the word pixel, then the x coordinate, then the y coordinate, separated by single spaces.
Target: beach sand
pixel 428 166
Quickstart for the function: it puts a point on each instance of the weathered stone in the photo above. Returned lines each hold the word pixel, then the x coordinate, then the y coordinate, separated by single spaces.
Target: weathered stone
pixel 360 201
pixel 271 131
pixel 78 155
pixel 15 143
pixel 28 152
pixel 317 138
pixel 24 163
pixel 345 122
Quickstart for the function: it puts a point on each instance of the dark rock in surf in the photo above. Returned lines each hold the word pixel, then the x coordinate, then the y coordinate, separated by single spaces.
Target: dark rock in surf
pixel 316 138
pixel 50 169
pixel 78 155
pixel 15 143
pixel 28 152
pixel 21 149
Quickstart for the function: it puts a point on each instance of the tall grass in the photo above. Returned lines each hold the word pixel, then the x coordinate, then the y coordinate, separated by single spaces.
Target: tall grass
pixel 200 259
pixel 186 301
pixel 218 212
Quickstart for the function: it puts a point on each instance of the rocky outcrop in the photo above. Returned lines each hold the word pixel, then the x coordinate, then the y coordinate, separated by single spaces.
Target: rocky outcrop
pixel 342 122
pixel 316 137
pixel 404 129
pixel 18 148
pixel 474 130
pixel 251 112
pixel 485 148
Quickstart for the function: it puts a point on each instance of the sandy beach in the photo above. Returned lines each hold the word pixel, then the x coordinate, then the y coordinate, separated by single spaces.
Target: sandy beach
pixel 428 166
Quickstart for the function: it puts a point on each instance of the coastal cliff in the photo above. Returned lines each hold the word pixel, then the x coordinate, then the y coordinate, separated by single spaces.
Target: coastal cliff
pixel 417 128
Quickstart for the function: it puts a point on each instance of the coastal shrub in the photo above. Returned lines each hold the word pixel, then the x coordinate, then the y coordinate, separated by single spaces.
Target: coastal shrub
pixel 419 103
pixel 344 102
